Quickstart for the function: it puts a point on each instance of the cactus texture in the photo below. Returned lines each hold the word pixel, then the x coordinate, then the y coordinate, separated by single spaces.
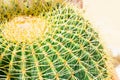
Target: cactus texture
pixel 45 40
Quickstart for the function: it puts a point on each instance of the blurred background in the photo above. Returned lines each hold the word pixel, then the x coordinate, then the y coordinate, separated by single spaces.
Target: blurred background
pixel 105 15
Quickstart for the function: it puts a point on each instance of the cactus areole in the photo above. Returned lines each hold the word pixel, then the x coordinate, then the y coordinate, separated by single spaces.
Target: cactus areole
pixel 25 29
pixel 49 40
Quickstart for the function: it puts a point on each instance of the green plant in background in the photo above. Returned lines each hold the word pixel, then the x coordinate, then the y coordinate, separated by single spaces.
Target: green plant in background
pixel 45 40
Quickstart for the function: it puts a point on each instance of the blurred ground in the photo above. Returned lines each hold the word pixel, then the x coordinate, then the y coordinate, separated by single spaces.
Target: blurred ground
pixel 105 15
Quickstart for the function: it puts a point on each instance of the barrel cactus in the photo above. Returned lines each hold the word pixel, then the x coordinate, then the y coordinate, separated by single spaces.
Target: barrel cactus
pixel 49 40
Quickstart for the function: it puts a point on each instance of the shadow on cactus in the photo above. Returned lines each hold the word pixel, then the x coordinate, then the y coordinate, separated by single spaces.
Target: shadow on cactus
pixel 49 41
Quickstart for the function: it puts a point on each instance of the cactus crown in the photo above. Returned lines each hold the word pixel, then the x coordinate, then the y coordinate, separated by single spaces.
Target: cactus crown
pixel 25 29
pixel 43 40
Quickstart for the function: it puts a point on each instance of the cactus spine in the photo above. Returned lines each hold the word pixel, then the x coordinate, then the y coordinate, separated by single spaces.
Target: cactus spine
pixel 48 40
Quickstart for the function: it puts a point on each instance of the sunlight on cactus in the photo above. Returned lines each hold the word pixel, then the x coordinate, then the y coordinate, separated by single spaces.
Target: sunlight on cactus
pixel 49 40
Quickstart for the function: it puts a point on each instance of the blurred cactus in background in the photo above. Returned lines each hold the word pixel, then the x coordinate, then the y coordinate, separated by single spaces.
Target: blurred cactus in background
pixel 49 40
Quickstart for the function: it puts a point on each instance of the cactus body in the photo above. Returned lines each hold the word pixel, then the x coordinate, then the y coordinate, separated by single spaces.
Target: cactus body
pixel 54 43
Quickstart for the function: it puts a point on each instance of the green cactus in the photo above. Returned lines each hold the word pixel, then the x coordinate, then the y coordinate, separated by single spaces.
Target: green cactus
pixel 49 41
